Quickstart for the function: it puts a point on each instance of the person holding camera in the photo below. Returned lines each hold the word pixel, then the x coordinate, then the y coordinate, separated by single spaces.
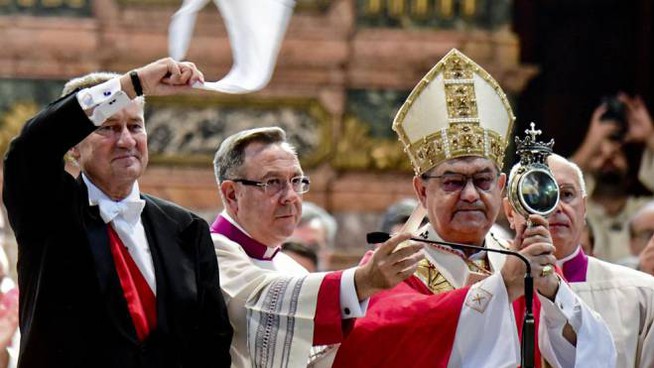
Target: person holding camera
pixel 617 125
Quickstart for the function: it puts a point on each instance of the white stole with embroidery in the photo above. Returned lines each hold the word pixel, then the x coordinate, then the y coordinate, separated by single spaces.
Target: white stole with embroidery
pixel 271 311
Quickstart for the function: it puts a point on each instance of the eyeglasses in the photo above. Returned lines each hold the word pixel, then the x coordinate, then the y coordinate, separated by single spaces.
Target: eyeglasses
pixel 456 182
pixel 300 184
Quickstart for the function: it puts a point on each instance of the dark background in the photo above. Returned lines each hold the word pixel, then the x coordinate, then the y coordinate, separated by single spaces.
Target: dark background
pixel 585 49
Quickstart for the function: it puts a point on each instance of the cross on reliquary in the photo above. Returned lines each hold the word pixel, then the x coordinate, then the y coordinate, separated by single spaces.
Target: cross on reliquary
pixel 533 132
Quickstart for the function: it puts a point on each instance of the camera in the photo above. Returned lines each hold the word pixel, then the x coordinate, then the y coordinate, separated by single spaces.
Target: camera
pixel 616 112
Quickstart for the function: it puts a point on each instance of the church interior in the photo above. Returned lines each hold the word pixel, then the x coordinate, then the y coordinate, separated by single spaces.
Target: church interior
pixel 343 70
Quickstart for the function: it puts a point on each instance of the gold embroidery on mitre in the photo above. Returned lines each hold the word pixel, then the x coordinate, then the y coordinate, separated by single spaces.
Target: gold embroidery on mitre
pixel 461 133
pixel 455 67
pixel 460 140
pixel 461 101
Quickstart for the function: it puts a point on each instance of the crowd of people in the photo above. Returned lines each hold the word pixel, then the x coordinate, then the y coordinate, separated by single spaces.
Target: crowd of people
pixel 119 278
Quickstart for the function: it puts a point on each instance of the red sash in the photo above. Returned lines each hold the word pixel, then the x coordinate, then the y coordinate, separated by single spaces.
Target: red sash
pixel 141 301
pixel 390 335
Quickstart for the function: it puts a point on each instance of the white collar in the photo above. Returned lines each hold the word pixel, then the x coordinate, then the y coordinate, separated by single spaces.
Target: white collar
pixel 96 194
pixel 563 260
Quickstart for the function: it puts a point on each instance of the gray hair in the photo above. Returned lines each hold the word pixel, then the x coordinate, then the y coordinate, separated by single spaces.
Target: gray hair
pixel 398 213
pixel 88 81
pixel 561 159
pixel 231 154
pixel 91 80
pixel 311 211
pixel 647 207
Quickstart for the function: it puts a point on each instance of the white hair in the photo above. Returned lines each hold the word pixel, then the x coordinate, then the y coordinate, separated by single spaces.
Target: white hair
pixel 647 207
pixel 311 211
pixel 563 160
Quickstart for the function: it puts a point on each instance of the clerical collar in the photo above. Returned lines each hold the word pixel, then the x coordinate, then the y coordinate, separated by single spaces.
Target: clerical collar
pixel 227 227
pixel 96 194
pixel 574 266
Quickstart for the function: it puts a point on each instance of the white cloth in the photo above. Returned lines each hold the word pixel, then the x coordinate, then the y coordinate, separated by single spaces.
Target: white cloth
pixel 497 335
pixel 125 217
pixel 625 300
pixel 275 299
pixel 248 289
pixel 475 349
pixel 103 100
pixel 255 29
pixel 125 211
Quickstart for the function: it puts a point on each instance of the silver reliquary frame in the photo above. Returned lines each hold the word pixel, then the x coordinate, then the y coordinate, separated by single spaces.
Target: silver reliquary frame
pixel 532 188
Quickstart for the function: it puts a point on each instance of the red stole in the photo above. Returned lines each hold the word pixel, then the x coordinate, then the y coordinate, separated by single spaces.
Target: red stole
pixel 390 335
pixel 519 312
pixel 141 302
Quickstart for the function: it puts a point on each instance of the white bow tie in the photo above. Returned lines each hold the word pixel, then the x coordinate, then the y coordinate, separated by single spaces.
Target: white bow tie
pixel 130 211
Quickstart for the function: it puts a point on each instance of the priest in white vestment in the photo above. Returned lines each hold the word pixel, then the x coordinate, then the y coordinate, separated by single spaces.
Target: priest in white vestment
pixel 277 309
pixel 622 296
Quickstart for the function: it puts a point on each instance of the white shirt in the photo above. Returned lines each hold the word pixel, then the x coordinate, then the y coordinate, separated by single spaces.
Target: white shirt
pixel 105 100
pixel 132 235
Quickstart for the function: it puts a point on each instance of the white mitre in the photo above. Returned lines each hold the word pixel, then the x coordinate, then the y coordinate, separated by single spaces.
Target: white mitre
pixel 456 110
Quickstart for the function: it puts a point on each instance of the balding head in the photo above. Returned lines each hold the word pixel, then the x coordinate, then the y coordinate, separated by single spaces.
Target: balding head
pixel 641 228
pixel 560 161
